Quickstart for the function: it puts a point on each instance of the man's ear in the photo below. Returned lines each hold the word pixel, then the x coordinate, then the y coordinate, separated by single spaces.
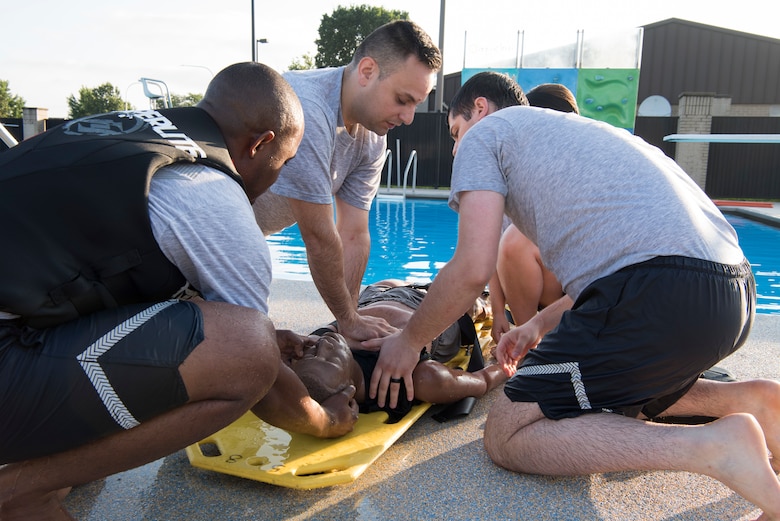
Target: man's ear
pixel 481 107
pixel 367 68
pixel 264 138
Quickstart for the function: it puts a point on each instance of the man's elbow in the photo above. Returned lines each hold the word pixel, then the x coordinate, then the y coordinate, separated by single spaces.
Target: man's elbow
pixel 472 277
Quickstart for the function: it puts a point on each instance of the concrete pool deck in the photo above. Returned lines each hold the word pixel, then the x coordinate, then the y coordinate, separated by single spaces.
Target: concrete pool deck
pixel 434 471
pixel 766 214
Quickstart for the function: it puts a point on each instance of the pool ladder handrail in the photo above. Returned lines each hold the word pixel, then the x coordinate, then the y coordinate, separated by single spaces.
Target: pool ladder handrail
pixel 410 164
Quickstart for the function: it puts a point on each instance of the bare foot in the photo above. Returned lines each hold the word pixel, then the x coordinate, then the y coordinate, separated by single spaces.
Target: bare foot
pixel 768 415
pixel 481 309
pixel 735 454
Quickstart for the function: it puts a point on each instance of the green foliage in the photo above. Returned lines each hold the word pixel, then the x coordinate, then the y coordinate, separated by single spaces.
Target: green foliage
pixel 11 105
pixel 104 98
pixel 302 63
pixel 342 31
pixel 187 100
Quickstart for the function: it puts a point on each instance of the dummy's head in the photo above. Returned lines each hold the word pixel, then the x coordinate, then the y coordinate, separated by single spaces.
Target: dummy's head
pixel 483 94
pixel 553 96
pixel 325 368
pixel 261 120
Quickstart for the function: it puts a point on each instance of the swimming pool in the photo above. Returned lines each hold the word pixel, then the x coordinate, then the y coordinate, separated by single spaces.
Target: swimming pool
pixel 412 239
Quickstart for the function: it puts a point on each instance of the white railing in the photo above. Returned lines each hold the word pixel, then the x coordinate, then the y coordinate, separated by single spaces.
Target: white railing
pixel 389 163
pixel 411 164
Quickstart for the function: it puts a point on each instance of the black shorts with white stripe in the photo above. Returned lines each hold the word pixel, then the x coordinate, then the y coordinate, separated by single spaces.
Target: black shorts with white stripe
pixel 67 385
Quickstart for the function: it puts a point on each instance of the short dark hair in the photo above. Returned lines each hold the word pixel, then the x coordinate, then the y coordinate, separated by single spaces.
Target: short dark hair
pixel 392 43
pixel 498 88
pixel 553 96
pixel 251 97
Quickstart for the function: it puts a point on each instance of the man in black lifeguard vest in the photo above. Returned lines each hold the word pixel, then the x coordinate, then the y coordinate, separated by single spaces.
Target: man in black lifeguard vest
pixel 109 225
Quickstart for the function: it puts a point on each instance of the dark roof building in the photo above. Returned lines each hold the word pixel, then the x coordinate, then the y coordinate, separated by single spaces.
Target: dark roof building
pixel 680 56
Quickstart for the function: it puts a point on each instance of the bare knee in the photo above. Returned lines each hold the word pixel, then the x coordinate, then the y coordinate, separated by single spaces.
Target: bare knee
pixel 766 396
pixel 505 422
pixel 767 390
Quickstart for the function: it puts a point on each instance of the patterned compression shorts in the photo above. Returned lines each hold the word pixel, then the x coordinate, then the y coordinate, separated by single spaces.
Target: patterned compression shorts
pixel 67 385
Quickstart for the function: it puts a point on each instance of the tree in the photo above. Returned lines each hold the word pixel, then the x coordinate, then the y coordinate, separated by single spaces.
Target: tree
pixel 103 98
pixel 11 105
pixel 187 100
pixel 345 28
pixel 302 63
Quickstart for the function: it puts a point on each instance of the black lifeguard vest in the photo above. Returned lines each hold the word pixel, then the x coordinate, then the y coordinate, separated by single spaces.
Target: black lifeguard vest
pixel 75 234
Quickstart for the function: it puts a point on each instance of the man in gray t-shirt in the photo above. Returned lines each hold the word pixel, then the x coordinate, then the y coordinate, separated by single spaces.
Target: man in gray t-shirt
pixel 657 290
pixel 348 111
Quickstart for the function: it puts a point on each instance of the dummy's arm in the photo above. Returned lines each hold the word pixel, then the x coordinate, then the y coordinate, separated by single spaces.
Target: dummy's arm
pixel 289 406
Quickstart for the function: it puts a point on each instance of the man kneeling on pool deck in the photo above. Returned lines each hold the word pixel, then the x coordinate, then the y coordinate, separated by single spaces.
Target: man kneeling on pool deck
pixel 334 363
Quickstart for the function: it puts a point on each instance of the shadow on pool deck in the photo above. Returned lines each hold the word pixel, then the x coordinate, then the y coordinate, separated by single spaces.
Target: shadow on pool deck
pixel 434 471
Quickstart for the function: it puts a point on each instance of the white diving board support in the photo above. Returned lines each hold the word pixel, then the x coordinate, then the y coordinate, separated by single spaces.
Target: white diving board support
pixel 723 138
pixel 7 137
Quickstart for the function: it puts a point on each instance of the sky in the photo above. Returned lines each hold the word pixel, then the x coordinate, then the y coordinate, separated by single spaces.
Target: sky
pixel 49 49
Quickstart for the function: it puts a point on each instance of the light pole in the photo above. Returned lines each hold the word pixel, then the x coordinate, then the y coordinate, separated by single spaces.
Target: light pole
pixel 439 95
pixel 259 41
pixel 199 67
pixel 127 89
pixel 254 42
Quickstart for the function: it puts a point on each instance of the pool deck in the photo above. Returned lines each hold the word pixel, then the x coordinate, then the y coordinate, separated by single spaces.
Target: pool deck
pixel 766 214
pixel 434 471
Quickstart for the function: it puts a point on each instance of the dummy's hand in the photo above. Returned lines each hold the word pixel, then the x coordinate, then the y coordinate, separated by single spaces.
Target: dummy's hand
pixel 342 410
pixel 500 326
pixel 365 327
pixel 291 344
pixel 515 344
pixel 397 360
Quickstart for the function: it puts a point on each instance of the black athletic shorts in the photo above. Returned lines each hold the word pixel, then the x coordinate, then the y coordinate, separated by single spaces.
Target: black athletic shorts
pixel 67 385
pixel 637 340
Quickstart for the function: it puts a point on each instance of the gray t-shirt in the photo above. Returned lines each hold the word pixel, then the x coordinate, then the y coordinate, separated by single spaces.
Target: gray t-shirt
pixel 329 161
pixel 594 198
pixel 203 222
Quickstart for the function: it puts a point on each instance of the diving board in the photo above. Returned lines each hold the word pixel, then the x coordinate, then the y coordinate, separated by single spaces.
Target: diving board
pixel 723 138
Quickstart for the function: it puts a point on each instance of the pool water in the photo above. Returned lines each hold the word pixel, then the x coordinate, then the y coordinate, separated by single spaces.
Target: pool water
pixel 761 244
pixel 412 239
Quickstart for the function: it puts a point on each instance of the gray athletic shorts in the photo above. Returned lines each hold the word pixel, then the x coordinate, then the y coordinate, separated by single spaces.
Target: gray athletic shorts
pixel 67 385
pixel 637 340
pixel 409 296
